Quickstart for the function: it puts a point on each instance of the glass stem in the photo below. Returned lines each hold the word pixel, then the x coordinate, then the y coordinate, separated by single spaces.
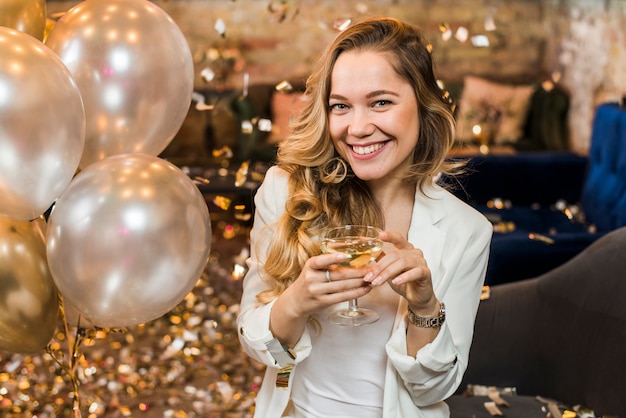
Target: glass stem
pixel 353 305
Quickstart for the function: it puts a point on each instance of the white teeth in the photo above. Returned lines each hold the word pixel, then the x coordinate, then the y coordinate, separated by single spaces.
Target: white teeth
pixel 367 150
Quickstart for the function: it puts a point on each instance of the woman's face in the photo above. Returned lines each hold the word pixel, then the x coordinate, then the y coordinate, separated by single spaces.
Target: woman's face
pixel 373 115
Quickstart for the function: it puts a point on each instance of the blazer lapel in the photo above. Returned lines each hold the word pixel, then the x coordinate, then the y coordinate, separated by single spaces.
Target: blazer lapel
pixel 425 235
pixel 424 232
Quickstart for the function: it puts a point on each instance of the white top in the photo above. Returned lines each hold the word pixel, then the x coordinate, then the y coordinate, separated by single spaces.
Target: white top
pixel 455 240
pixel 338 379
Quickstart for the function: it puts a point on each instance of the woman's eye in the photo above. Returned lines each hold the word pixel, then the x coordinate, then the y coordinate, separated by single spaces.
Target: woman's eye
pixel 338 106
pixel 381 103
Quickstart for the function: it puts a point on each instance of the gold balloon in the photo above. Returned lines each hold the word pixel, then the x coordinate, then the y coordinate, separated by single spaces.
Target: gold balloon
pixel 28 16
pixel 49 26
pixel 28 296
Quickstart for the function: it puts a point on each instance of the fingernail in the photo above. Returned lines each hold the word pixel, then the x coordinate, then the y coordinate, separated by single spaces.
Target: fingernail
pixel 377 280
pixel 368 277
pixel 342 256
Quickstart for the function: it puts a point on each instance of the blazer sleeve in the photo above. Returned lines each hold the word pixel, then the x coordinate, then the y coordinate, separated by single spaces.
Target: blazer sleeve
pixel 253 321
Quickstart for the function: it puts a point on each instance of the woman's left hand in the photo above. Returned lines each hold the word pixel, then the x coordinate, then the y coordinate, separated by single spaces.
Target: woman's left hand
pixel 403 266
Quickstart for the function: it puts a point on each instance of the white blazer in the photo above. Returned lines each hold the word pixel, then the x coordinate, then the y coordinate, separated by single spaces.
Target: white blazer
pixel 455 240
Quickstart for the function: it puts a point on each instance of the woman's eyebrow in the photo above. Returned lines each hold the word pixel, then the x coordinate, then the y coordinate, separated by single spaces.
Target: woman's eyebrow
pixel 336 97
pixel 380 93
pixel 369 95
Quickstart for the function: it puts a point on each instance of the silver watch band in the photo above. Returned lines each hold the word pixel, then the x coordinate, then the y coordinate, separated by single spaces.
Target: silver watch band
pixel 283 355
pixel 428 322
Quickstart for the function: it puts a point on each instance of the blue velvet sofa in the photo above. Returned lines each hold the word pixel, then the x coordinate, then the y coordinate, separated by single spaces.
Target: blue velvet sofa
pixel 547 207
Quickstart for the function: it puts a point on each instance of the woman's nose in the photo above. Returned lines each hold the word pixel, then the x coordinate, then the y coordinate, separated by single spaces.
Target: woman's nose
pixel 360 124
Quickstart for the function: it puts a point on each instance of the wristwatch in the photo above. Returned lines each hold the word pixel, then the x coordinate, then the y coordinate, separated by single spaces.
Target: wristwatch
pixel 283 355
pixel 428 322
pixel 284 358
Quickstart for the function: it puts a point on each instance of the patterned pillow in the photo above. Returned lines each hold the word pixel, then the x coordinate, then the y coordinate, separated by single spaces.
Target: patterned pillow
pixel 503 106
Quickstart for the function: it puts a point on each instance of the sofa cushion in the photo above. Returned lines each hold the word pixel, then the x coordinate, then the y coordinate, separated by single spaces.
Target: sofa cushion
pixel 482 99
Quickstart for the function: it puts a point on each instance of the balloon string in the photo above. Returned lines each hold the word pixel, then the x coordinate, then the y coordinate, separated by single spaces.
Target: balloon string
pixel 73 348
pixel 74 355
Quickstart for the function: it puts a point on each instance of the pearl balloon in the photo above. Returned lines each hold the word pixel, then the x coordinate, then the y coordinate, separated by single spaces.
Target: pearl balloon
pixel 42 126
pixel 128 239
pixel 135 72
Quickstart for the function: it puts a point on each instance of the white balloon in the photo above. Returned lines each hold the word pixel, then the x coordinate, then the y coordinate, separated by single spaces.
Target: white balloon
pixel 135 72
pixel 42 126
pixel 128 239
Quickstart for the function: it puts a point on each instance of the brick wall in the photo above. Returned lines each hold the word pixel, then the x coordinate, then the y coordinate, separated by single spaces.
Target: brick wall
pixel 276 40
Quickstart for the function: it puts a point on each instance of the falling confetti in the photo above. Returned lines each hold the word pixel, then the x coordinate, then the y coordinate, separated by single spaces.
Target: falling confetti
pixel 222 202
pixel 284 87
pixel 446 32
pixel 220 27
pixel 341 24
pixel 480 41
pixel 461 34
pixel 207 74
pixel 490 24
pixel 264 125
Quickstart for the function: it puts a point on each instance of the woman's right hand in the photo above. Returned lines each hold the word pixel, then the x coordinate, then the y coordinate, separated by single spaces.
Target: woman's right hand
pixel 322 283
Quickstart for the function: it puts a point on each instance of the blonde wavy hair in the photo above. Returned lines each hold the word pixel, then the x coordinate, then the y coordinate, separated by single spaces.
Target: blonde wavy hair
pixel 323 190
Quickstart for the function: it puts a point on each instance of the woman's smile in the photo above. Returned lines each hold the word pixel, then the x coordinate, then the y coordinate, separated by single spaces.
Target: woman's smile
pixel 368 150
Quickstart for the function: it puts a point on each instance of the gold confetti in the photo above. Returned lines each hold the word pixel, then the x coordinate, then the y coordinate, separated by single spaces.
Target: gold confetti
pixel 241 213
pixel 222 202
pixel 284 87
pixel 242 174
pixel 485 293
pixel 446 32
pixel 224 152
pixel 540 237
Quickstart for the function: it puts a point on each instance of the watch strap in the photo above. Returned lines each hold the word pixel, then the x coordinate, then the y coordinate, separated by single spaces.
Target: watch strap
pixel 428 322
pixel 283 355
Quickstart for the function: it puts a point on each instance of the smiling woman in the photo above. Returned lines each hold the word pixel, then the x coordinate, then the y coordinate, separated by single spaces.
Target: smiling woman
pixel 365 150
